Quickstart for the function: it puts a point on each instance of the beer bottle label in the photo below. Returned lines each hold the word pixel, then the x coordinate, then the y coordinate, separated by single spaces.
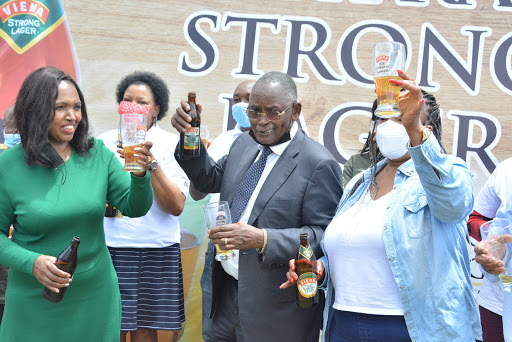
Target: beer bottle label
pixel 24 23
pixel 306 252
pixel 192 139
pixel 307 284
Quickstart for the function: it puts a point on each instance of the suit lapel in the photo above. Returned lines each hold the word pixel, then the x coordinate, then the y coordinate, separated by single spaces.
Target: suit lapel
pixel 279 174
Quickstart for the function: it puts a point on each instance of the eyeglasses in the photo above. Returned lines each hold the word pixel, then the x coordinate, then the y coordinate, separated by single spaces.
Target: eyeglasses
pixel 272 116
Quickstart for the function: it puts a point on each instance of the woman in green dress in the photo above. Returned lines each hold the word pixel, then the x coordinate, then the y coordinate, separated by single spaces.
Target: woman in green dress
pixel 53 187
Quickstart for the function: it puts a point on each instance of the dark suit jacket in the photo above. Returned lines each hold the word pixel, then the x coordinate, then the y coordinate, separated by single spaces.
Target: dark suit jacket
pixel 300 195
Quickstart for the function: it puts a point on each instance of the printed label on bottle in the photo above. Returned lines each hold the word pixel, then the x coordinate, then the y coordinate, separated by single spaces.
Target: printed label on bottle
pixel 26 22
pixel 307 284
pixel 192 139
pixel 306 252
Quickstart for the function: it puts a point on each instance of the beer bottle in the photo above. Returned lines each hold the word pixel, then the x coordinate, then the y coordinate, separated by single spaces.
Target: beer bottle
pixel 110 210
pixel 67 262
pixel 305 267
pixel 189 141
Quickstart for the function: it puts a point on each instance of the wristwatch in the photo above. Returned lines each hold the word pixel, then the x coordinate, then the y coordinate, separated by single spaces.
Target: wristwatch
pixel 154 165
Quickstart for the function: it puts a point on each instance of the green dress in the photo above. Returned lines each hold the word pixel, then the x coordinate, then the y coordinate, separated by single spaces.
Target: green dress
pixel 48 208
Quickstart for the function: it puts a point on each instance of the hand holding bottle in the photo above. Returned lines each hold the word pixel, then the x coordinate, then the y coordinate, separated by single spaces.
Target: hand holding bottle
pixel 180 120
pixel 292 276
pixel 50 275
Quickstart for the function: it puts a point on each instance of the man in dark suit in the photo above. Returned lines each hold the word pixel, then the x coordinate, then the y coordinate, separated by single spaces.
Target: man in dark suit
pixel 297 191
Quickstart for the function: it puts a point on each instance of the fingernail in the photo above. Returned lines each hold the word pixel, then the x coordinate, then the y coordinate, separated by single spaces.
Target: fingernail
pixel 291 281
pixel 295 277
pixel 66 285
pixel 320 272
pixel 375 91
pixel 396 81
pixel 118 151
pixel 292 268
pixel 57 291
pixel 422 101
pixel 280 286
pixel 400 71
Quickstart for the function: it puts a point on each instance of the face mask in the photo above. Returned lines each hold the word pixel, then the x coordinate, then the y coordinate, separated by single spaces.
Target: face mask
pixel 11 140
pixel 47 155
pixel 239 112
pixel 392 140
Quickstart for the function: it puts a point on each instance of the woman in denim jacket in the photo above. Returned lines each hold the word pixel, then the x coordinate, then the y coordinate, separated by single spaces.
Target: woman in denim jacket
pixel 396 262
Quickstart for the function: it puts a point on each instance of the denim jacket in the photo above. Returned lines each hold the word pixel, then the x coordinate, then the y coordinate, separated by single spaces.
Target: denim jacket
pixel 425 241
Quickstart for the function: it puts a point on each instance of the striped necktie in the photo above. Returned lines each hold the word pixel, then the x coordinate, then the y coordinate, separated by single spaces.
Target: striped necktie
pixel 248 184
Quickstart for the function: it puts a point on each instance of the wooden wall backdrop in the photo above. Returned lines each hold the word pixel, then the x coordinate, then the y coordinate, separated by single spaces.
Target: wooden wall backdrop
pixel 114 38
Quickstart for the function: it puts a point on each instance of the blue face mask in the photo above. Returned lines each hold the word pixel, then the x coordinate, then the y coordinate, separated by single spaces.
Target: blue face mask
pixel 239 112
pixel 11 140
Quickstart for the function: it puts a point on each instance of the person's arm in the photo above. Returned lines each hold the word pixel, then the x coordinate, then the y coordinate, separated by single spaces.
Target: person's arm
pixel 475 221
pixel 170 185
pixel 11 254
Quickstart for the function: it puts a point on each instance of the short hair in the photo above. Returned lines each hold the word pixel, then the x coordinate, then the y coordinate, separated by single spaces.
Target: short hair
pixel 34 111
pixel 156 85
pixel 283 79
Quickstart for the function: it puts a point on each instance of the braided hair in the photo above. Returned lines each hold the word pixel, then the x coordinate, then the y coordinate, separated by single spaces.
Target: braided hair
pixel 431 115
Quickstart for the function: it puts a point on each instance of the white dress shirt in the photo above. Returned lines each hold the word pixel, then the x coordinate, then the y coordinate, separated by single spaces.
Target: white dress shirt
pixel 231 265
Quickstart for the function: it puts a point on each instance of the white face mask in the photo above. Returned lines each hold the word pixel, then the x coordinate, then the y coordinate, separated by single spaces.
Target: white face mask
pixel 392 139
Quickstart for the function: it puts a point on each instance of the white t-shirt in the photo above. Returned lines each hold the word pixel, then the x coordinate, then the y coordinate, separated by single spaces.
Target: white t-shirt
pixel 157 228
pixel 496 192
pixel 358 263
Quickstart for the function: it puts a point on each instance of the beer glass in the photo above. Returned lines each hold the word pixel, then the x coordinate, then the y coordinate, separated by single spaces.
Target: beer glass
pixel 388 57
pixel 132 130
pixel 216 214
pixel 495 234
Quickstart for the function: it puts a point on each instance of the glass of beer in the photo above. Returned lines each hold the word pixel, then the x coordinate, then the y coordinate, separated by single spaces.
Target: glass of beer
pixel 496 233
pixel 132 130
pixel 217 214
pixel 388 57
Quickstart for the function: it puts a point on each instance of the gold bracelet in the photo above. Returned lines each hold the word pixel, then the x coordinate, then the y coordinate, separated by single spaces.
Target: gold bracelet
pixel 426 134
pixel 265 241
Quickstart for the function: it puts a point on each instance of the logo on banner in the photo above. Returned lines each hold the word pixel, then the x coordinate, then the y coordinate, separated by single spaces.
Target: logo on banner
pixel 23 23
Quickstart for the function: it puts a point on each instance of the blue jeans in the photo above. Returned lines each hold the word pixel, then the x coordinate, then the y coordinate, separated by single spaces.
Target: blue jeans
pixel 357 327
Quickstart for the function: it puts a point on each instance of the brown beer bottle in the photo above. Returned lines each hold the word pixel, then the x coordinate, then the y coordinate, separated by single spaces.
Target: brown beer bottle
pixel 189 141
pixel 110 210
pixel 305 267
pixel 67 262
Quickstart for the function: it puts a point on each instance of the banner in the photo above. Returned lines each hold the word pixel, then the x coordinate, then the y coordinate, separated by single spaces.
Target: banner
pixel 32 34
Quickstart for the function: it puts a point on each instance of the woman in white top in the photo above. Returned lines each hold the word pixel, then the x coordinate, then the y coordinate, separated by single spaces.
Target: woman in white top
pixel 396 261
pixel 146 251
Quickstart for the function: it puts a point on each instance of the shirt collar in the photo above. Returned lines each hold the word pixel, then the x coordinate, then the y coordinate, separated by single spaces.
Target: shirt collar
pixel 279 149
